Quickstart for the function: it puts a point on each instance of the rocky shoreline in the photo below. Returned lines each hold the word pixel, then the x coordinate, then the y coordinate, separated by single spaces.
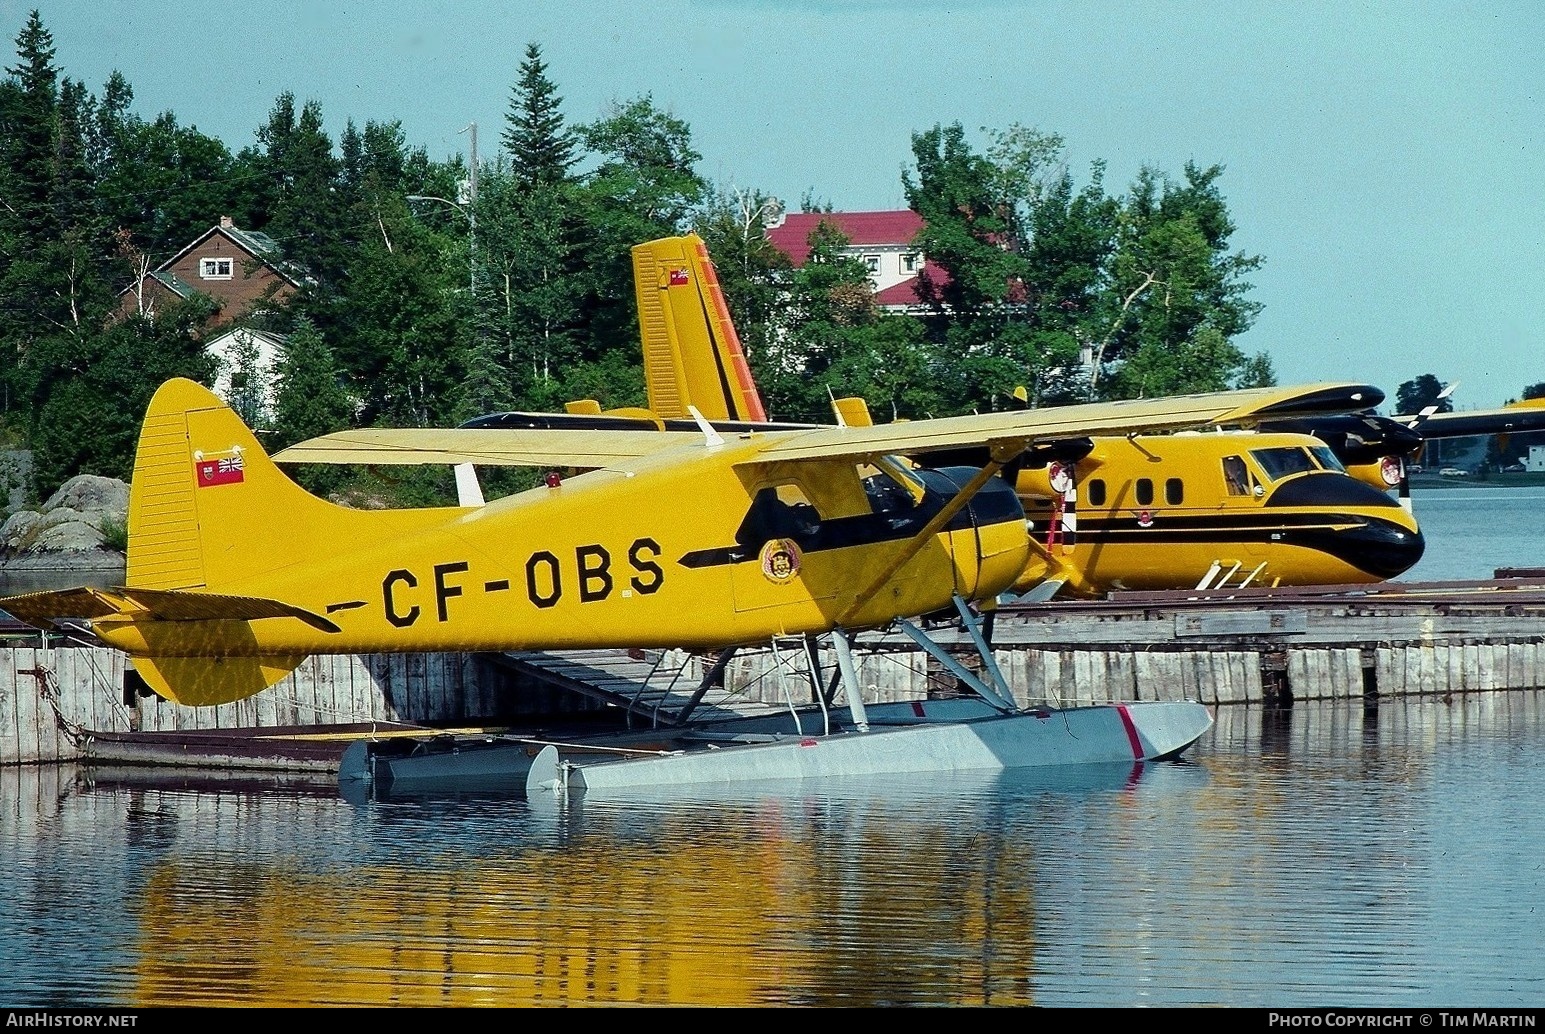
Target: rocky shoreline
pixel 73 538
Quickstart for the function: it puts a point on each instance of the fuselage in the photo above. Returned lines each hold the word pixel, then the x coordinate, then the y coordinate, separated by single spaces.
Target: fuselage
pixel 701 553
pixel 1160 511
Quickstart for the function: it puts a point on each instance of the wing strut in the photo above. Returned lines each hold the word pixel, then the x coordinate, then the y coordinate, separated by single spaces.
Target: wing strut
pixel 1002 452
pixel 992 688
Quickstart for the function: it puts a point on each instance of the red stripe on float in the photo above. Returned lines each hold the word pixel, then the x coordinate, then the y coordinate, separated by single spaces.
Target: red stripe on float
pixel 1126 720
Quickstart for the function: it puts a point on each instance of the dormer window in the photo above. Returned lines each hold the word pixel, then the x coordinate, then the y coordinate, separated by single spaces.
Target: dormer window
pixel 214 268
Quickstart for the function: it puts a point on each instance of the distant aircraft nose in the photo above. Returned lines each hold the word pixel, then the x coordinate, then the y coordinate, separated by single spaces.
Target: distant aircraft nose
pixel 1354 522
pixel 1383 548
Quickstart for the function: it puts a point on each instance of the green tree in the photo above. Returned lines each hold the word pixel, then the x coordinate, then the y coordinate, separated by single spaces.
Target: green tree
pixel 304 212
pixel 1171 277
pixel 31 290
pixel 1417 394
pixel 90 390
pixel 540 146
pixel 310 399
pixel 407 322
pixel 534 302
pixel 644 185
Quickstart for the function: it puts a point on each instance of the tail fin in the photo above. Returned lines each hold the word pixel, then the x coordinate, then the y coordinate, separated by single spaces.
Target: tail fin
pixel 692 355
pixel 209 510
pixel 210 515
pixel 852 412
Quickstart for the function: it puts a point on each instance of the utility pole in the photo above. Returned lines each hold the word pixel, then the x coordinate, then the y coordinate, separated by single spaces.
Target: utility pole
pixel 471 202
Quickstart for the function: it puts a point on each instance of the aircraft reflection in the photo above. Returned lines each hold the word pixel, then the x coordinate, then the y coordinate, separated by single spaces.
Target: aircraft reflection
pixel 708 897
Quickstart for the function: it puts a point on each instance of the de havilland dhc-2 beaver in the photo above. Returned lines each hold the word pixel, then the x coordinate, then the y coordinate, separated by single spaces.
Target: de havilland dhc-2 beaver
pixel 697 540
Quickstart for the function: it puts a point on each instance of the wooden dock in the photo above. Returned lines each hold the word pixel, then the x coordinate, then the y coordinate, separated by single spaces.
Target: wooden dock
pixel 71 699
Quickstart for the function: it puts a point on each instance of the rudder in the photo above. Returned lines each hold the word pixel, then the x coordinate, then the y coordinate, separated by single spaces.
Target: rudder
pixel 692 354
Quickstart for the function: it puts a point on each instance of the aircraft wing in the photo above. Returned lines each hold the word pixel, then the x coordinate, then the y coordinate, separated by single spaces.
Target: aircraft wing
pixel 1134 416
pixel 525 447
pixel 1512 419
pixel 600 447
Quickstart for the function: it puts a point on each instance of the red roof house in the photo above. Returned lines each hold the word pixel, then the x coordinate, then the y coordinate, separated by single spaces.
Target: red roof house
pixel 883 240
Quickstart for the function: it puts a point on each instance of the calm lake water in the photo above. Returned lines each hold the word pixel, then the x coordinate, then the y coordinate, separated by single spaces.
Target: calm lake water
pixel 1326 856
pixel 1473 531
pixel 1321 857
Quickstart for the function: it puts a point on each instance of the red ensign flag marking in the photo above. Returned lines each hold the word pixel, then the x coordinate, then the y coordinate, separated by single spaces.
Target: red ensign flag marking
pixel 219 472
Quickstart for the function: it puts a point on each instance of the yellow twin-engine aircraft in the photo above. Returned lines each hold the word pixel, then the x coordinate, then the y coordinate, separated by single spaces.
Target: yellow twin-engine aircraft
pixel 696 539
pixel 1293 501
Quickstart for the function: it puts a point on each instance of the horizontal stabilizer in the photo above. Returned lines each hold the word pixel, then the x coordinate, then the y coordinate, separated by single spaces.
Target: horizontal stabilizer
pixel 207 681
pixel 47 609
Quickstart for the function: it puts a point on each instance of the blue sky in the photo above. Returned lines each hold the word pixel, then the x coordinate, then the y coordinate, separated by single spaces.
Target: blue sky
pixel 1387 159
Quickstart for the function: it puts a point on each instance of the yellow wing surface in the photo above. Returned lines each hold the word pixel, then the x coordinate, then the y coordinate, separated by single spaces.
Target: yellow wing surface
pixel 538 447
pixel 614 448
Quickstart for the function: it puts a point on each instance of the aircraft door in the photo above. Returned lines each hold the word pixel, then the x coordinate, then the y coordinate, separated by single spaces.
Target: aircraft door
pixel 781 528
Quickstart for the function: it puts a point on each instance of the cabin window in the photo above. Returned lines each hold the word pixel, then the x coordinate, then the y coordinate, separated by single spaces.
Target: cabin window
pixel 778 512
pixel 1235 475
pixel 215 268
pixel 1174 491
pixel 1328 459
pixel 1281 463
pixel 1144 492
pixel 1096 491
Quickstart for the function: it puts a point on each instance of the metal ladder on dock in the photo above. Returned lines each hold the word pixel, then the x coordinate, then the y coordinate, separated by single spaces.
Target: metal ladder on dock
pixel 650 685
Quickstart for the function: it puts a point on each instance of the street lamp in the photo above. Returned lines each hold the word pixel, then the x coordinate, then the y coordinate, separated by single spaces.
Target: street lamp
pixel 471 231
pixel 467 206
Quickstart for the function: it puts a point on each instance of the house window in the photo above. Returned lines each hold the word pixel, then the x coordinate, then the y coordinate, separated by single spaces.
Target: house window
pixel 911 263
pixel 872 263
pixel 214 268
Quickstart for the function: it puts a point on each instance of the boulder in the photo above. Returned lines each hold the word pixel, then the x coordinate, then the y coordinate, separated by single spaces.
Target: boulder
pixel 67 531
pixel 90 494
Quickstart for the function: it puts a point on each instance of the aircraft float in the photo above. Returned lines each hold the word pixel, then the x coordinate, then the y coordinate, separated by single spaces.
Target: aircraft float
pixel 696 539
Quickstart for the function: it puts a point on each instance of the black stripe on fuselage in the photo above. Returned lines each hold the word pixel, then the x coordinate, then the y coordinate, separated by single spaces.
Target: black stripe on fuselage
pixel 1380 547
pixel 995 503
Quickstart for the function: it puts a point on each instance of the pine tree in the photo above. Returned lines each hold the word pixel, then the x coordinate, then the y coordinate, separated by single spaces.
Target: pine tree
pixel 309 397
pixel 541 147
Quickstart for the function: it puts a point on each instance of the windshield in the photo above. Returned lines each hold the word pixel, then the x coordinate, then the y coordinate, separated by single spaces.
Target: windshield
pixel 1328 459
pixel 1280 463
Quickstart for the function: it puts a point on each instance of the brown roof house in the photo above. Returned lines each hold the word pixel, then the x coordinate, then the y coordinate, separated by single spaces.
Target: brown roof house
pixel 243 270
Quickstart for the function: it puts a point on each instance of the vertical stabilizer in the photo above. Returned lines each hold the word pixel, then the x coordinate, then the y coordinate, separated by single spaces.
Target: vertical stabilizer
pixel 692 355
pixel 209 510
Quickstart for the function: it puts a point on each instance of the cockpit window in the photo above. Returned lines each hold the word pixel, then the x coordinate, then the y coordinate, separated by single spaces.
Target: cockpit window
pixel 1280 463
pixel 891 486
pixel 1328 459
pixel 778 511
